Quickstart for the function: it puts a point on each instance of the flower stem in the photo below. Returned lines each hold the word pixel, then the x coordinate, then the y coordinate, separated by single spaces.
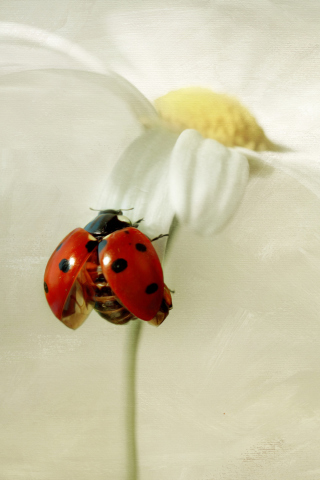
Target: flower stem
pixel 130 366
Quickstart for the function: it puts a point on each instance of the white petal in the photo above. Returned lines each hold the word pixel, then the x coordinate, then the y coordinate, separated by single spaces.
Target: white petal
pixel 243 339
pixel 74 123
pixel 39 49
pixel 262 53
pixel 140 179
pixel 60 134
pixel 53 51
pixel 207 182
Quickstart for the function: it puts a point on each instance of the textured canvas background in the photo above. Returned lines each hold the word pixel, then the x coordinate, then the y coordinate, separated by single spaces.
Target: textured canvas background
pixel 228 387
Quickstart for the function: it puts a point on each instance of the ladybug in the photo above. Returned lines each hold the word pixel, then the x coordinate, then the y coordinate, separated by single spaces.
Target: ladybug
pixel 111 267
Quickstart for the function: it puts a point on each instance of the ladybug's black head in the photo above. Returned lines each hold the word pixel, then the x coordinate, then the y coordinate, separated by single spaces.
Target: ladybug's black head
pixel 106 222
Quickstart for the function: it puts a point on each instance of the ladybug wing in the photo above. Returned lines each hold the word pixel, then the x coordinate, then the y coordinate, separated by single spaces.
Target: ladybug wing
pixel 165 306
pixel 133 270
pixel 66 280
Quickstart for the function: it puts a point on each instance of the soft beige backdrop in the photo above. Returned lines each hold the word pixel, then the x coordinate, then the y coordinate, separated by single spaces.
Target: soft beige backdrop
pixel 229 386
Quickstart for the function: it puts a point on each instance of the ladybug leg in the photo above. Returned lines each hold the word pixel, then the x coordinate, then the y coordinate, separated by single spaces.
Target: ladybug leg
pixel 136 224
pixel 160 236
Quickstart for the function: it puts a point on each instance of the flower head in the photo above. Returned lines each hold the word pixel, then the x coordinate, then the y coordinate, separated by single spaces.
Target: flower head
pixel 236 372
pixel 214 115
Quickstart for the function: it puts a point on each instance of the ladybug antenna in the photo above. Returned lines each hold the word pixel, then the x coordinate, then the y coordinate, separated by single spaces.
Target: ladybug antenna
pixel 160 236
pixel 101 209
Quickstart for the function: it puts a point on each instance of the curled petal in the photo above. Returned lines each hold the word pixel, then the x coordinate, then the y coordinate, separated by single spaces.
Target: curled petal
pixel 53 50
pixel 61 132
pixel 206 182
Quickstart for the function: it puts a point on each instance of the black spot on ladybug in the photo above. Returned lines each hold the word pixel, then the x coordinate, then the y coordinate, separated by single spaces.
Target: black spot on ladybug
pixel 152 288
pixel 46 289
pixel 119 265
pixel 59 246
pixel 64 265
pixel 141 247
pixel 127 231
pixel 91 245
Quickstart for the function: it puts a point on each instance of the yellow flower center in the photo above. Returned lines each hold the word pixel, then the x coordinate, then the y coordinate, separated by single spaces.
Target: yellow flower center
pixel 214 115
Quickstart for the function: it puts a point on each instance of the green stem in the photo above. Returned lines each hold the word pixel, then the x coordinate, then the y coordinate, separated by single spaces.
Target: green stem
pixel 130 368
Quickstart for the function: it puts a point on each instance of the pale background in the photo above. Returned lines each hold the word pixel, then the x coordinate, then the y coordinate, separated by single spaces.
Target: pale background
pixel 229 386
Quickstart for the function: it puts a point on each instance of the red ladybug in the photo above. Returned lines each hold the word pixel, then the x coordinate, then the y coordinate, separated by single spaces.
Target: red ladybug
pixel 109 266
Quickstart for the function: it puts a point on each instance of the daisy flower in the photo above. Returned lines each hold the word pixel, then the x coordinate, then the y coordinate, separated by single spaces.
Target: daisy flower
pixel 228 386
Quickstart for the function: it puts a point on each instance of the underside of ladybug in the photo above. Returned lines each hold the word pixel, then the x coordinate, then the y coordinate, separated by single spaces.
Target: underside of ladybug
pixel 111 267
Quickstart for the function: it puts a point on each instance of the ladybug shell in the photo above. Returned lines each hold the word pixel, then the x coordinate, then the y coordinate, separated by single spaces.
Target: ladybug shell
pixel 133 270
pixel 167 297
pixel 65 279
